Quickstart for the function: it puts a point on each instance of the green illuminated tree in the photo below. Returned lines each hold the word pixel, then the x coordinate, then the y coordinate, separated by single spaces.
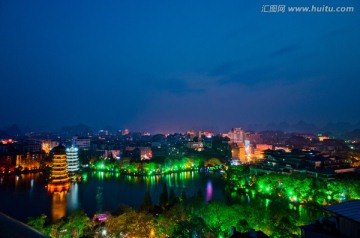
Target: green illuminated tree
pixel 197 162
pixel 150 167
pixel 38 223
pixel 131 224
pixel 218 217
pixel 213 162
pixel 281 218
pixel 195 226
pixel 78 222
pixel 242 225
pixel 57 229
pixel 286 228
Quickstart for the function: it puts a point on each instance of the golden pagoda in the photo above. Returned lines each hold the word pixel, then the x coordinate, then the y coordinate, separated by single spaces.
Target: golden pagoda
pixel 59 179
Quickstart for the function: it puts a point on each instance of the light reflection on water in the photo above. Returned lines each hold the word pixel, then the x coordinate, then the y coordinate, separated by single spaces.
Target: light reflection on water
pixel 107 190
pixel 58 205
pixel 73 197
pixel 209 191
pixel 97 192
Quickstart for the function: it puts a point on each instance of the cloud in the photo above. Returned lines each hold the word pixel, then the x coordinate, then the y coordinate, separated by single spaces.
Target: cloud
pixel 285 50
pixel 248 77
pixel 177 86
pixel 225 68
pixel 234 72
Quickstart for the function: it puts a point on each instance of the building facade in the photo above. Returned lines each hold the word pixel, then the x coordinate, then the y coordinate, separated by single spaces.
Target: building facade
pixel 59 179
pixel 72 160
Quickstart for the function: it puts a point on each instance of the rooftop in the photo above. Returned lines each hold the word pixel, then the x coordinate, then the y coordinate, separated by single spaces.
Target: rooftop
pixel 10 227
pixel 350 210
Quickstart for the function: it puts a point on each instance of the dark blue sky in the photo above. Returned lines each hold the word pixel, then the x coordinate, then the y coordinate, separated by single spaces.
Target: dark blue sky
pixel 175 65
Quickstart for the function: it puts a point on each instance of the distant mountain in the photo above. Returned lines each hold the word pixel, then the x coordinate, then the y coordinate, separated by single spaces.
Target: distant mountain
pixel 302 126
pixel 339 127
pixel 80 130
pixel 12 131
pixel 255 127
pixel 352 135
pixel 284 126
pixel 3 134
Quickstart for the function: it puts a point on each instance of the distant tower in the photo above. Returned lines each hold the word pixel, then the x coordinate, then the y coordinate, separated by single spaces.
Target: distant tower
pixel 72 160
pixel 59 179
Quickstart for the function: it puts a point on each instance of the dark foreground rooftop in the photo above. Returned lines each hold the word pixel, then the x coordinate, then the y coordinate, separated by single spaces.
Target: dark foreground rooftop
pixel 350 210
pixel 9 227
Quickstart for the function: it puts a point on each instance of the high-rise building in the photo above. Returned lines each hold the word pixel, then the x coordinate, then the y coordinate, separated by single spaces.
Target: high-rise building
pixel 48 145
pixel 82 143
pixel 72 160
pixel 236 135
pixel 239 153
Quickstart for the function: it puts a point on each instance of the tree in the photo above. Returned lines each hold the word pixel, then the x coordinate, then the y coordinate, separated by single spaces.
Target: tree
pixel 242 226
pixel 213 162
pixel 131 224
pixel 183 194
pixel 167 222
pixel 281 219
pixel 188 228
pixel 200 193
pixel 122 208
pixel 218 217
pixel 77 223
pixel 147 203
pixel 164 197
pixel 285 228
pixel 172 197
pixel 150 167
pixel 38 223
pixel 57 228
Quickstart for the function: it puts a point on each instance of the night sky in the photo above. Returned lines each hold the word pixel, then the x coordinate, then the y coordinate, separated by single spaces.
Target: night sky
pixel 176 65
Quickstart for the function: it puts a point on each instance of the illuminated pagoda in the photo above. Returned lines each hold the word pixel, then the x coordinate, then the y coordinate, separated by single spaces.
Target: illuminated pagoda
pixel 59 180
pixel 72 160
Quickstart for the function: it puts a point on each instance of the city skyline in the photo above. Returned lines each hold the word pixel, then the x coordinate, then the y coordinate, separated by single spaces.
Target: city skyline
pixel 336 130
pixel 170 66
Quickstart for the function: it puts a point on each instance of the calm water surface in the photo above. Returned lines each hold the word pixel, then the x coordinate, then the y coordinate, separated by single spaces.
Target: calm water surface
pixel 26 195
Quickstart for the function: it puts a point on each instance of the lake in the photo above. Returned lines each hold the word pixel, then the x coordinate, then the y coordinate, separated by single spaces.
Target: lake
pixel 26 195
